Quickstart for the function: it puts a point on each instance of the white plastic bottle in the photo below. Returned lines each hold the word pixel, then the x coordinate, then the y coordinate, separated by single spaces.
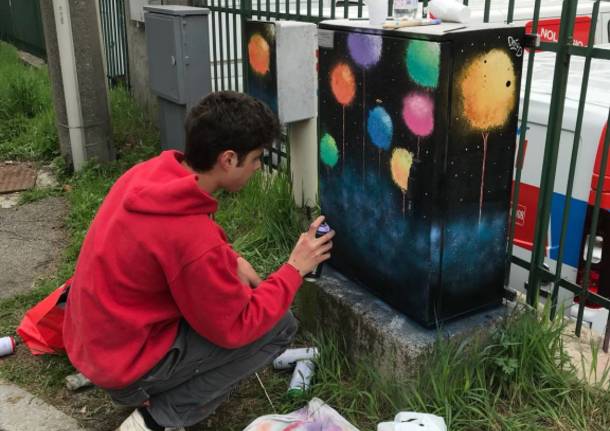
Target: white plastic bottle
pixel 301 377
pixel 405 9
pixel 291 356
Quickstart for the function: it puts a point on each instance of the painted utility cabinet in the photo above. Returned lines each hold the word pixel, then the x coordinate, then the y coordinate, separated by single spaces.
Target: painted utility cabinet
pixel 417 142
pixel 282 67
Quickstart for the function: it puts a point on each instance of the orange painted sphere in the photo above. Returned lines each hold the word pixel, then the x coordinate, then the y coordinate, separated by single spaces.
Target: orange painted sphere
pixel 343 83
pixel 259 54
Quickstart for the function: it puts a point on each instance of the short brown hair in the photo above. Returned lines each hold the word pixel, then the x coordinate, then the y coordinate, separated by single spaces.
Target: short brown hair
pixel 227 120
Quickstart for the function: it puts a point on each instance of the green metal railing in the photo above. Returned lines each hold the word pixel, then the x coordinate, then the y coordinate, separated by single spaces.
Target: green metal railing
pixel 227 53
pixel 21 25
pixel 114 36
pixel 564 49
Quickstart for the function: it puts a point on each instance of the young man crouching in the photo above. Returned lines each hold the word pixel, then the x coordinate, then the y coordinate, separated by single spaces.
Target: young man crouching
pixel 162 312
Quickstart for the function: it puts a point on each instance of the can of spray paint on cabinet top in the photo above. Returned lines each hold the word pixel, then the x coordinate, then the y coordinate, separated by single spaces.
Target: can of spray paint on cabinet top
pixel 301 377
pixel 322 230
pixel 7 345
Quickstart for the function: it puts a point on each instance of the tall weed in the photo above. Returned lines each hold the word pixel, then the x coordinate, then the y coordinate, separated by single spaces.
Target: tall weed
pixel 262 220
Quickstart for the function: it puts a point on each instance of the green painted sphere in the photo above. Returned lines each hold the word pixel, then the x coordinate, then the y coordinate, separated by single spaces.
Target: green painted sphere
pixel 329 154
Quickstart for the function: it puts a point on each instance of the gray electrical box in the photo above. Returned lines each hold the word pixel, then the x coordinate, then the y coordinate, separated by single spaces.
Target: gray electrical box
pixel 281 67
pixel 177 42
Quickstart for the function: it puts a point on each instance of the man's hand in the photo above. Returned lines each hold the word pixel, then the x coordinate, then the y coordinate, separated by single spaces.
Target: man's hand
pixel 311 251
pixel 246 273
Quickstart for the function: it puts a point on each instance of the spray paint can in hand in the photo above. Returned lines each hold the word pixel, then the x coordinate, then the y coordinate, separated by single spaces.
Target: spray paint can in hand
pixel 301 377
pixel 291 356
pixel 7 346
pixel 323 229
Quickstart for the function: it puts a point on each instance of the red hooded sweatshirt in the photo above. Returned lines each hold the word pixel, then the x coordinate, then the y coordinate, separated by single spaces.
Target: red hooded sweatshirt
pixel 153 256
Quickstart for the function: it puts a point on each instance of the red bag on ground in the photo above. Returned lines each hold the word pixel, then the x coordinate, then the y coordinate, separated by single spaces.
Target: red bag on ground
pixel 41 327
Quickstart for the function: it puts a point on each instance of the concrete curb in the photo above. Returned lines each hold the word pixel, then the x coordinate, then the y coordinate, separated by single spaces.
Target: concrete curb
pixel 22 411
pixel 372 328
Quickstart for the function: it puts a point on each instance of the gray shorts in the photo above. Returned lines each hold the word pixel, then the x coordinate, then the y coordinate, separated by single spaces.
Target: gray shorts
pixel 195 376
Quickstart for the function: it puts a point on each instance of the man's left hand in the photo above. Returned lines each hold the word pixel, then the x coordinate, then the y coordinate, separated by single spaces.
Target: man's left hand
pixel 246 273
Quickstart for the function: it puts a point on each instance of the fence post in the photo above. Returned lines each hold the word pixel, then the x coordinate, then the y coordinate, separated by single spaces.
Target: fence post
pixel 245 7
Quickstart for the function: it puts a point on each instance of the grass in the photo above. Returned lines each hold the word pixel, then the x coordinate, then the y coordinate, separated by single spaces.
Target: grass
pixel 27 129
pixel 262 220
pixel 519 377
pixel 516 377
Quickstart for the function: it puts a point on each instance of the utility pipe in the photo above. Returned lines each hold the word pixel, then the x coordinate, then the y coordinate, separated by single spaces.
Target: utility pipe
pixel 67 61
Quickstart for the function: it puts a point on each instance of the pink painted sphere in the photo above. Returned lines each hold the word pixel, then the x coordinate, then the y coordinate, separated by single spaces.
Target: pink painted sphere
pixel 418 113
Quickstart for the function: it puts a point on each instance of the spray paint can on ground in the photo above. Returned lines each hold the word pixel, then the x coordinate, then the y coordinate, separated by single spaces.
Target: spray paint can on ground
pixel 291 356
pixel 301 377
pixel 323 229
pixel 7 346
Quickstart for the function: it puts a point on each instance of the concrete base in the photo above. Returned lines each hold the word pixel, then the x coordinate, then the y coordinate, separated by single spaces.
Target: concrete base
pixel 373 329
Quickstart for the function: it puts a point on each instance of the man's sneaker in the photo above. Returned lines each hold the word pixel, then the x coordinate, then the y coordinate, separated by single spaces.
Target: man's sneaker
pixel 135 422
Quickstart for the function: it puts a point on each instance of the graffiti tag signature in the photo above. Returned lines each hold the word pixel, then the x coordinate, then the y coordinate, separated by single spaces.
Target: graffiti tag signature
pixel 514 45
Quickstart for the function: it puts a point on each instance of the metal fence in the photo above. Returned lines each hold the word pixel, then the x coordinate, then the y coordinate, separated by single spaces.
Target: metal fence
pixel 227 53
pixel 114 36
pixel 21 25
pixel 538 273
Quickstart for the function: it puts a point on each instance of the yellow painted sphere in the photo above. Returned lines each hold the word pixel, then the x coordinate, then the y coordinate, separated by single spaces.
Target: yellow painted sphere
pixel 488 89
pixel 400 164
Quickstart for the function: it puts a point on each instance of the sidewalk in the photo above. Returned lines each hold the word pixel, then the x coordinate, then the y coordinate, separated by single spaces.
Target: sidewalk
pixel 31 238
pixel 22 411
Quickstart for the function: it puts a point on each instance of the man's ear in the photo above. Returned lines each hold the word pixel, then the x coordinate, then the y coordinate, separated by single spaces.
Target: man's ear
pixel 227 159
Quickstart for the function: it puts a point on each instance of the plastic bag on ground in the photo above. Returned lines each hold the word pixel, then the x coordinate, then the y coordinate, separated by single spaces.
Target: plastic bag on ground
pixel 315 416
pixel 41 326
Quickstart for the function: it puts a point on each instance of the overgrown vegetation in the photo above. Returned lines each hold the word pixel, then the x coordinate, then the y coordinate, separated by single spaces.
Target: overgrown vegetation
pixel 262 220
pixel 516 378
pixel 27 129
pixel 519 377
